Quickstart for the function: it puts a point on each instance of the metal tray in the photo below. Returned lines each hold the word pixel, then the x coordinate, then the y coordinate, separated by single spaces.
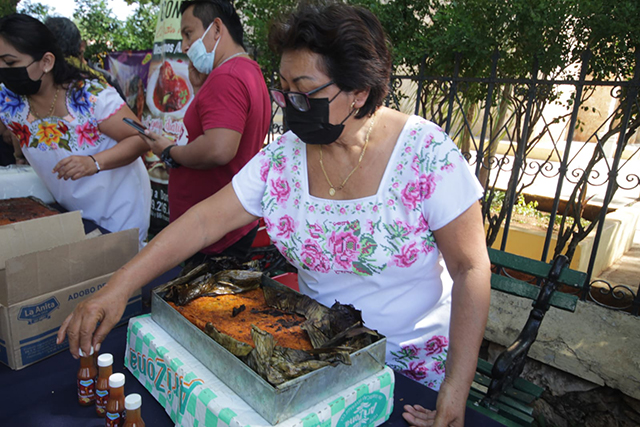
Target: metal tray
pixel 275 404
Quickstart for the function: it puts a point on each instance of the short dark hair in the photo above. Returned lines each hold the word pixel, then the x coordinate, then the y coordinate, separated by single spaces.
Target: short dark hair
pixel 351 41
pixel 66 33
pixel 31 37
pixel 208 10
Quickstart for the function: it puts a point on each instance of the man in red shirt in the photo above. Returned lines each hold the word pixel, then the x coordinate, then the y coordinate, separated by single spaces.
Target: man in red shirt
pixel 227 120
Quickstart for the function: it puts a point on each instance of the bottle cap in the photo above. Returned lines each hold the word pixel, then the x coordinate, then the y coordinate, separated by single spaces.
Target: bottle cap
pixel 105 359
pixel 116 380
pixel 132 401
pixel 81 353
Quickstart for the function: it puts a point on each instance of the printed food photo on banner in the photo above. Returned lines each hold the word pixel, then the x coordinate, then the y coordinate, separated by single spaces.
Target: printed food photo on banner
pixel 170 91
pixel 131 70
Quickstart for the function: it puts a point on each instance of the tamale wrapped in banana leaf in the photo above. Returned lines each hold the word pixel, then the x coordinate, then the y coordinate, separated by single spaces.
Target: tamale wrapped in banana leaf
pixel 218 276
pixel 331 334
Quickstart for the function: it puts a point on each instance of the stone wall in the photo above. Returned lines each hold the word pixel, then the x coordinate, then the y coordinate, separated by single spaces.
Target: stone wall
pixel 597 344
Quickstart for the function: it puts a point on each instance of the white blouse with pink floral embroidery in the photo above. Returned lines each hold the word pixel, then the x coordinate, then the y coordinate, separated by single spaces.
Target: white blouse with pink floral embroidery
pixel 377 253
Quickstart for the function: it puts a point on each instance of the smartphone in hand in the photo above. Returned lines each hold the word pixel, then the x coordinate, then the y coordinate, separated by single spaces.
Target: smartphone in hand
pixel 137 126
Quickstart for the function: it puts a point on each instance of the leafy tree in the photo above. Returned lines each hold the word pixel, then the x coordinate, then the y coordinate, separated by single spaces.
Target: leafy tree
pixel 610 30
pixel 105 33
pixel 139 28
pixel 98 26
pixel 407 24
pixel 257 17
pixel 37 10
pixel 8 6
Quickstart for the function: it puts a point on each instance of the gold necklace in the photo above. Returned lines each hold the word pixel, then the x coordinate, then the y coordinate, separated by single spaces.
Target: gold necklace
pixel 53 106
pixel 332 189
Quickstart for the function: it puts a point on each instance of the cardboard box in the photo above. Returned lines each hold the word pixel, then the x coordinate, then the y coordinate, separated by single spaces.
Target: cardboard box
pixel 47 267
pixel 193 396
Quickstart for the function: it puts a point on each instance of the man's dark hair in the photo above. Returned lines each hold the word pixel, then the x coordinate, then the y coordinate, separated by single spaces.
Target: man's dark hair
pixel 351 41
pixel 208 10
pixel 66 33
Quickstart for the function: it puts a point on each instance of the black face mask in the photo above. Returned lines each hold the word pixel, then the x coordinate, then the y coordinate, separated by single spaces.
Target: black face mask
pixel 313 126
pixel 17 80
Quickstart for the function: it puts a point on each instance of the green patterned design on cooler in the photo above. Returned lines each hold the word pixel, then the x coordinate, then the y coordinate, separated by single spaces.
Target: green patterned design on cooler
pixel 364 411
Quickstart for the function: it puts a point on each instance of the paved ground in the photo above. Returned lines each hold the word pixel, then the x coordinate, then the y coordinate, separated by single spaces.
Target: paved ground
pixel 626 272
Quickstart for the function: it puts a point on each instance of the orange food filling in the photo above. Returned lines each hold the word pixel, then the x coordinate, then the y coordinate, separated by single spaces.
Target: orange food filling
pixel 219 310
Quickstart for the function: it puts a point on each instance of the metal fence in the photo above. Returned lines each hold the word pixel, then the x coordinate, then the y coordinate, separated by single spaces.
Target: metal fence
pixel 543 139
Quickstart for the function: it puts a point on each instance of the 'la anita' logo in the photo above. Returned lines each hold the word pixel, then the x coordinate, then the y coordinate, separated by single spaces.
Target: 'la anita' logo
pixel 364 411
pixel 38 312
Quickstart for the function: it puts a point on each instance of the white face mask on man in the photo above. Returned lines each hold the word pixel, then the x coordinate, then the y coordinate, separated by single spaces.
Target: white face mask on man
pixel 198 55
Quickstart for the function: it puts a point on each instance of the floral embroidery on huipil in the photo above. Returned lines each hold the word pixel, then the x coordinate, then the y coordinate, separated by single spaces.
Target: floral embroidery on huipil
pixel 75 132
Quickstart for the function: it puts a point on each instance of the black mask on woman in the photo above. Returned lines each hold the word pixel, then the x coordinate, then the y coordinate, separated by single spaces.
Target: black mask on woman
pixel 17 80
pixel 313 126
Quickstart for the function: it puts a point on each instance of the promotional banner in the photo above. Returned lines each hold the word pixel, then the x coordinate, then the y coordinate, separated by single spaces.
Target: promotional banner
pixel 168 95
pixel 169 91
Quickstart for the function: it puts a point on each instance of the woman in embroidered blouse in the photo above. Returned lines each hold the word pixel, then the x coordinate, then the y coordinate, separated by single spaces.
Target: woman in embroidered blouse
pixel 365 201
pixel 70 129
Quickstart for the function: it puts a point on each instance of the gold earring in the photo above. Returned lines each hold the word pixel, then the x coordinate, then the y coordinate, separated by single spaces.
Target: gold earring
pixel 353 104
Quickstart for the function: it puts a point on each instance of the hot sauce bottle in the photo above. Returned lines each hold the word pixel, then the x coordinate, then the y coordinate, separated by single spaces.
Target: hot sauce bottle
pixel 133 402
pixel 114 417
pixel 105 369
pixel 87 378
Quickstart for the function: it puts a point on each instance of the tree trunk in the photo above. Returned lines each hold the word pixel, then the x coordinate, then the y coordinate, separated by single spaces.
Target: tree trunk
pixel 494 136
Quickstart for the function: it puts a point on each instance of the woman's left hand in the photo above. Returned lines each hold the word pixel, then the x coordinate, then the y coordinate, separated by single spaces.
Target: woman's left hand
pixel 418 416
pixel 75 167
pixel 449 412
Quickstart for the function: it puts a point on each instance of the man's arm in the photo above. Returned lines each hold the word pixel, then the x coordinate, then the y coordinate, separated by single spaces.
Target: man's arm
pixel 216 147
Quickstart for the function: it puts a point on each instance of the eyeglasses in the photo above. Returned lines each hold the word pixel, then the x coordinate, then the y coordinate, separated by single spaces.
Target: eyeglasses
pixel 299 100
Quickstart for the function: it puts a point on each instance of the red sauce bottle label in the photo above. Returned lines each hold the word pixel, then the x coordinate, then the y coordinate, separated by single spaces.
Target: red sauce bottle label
pixel 101 401
pixel 86 391
pixel 114 419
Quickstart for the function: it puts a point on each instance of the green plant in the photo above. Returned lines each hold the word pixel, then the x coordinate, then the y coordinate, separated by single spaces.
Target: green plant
pixel 37 10
pixel 257 17
pixel 528 213
pixel 105 33
pixel 527 209
pixel 522 207
pixel 8 6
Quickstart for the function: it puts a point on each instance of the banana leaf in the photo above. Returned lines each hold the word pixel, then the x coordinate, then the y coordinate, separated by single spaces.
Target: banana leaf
pixel 334 332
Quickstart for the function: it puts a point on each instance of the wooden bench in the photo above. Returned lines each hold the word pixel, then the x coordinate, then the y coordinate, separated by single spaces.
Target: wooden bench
pixel 498 391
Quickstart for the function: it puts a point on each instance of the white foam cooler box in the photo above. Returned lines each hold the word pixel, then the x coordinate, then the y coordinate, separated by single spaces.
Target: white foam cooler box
pixel 193 396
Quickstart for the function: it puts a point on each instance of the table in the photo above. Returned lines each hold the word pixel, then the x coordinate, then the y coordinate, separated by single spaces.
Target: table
pixel 44 394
